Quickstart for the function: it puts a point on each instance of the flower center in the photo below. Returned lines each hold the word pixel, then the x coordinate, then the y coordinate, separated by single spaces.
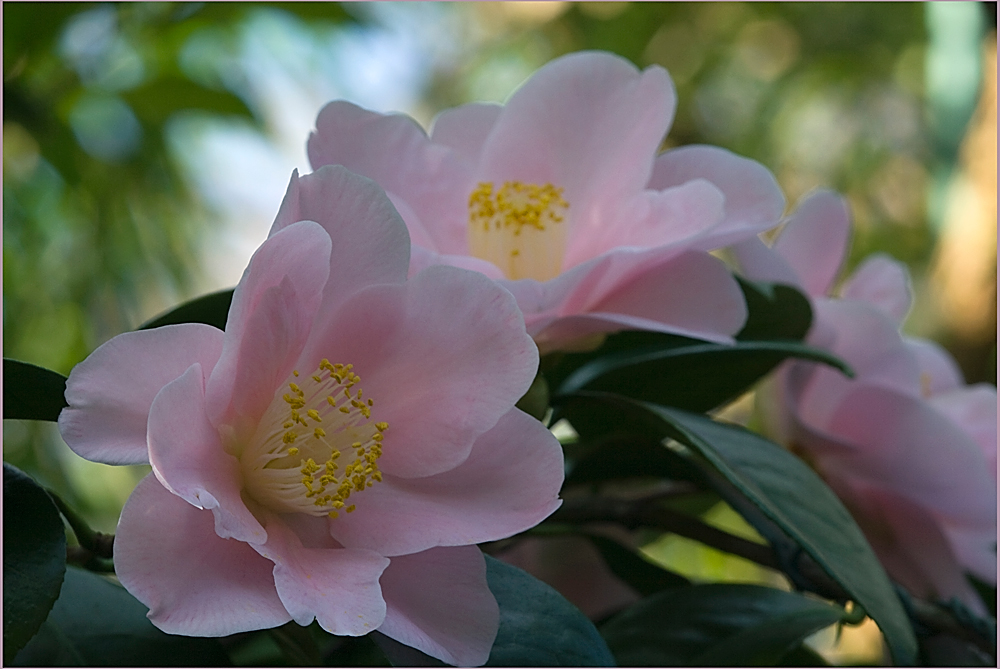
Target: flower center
pixel 298 459
pixel 519 228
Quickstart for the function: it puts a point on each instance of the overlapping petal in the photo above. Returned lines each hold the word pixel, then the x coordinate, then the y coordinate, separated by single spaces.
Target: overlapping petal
pixel 443 357
pixel 270 318
pixel 168 555
pixel 337 587
pixel 510 480
pixel 109 393
pixel 438 601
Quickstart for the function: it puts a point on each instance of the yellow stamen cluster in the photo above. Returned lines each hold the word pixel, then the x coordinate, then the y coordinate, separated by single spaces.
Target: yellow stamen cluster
pixel 516 205
pixel 515 227
pixel 322 420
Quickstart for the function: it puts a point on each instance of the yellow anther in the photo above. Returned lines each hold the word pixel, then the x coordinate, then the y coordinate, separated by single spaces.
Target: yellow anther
pixel 381 427
pixel 295 372
pixel 345 410
pixel 312 413
pixel 317 378
pixel 332 402
pixel 319 432
pixel 351 508
pixel 293 451
pixel 295 388
pixel 289 437
pixel 333 514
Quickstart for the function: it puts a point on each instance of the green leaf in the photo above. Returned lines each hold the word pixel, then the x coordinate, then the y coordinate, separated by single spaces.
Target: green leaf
pixel 716 625
pixel 696 377
pixel 646 577
pixel 34 558
pixel 155 101
pixel 792 496
pixel 31 392
pixel 98 623
pixel 538 627
pixel 211 309
pixel 775 312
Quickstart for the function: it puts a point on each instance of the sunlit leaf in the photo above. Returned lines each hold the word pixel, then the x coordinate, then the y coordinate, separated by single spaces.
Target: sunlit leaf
pixel 31 392
pixel 792 496
pixel 716 625
pixel 34 558
pixel 646 577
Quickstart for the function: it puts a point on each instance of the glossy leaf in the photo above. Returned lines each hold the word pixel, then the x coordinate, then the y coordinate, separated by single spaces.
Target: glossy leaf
pixel 538 627
pixel 34 558
pixel 696 377
pixel 211 309
pixel 716 625
pixel 793 497
pixel 31 392
pixel 646 577
pixel 775 312
pixel 98 623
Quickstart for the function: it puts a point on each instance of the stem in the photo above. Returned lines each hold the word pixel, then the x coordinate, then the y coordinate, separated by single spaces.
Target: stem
pixel 593 510
pixel 98 544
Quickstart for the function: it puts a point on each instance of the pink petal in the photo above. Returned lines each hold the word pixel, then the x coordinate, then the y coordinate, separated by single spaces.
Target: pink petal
pixel 693 292
pixel 938 370
pixel 465 128
pixel 395 152
pixel 759 262
pixel 883 282
pixel 814 240
pixel 109 393
pixel 910 545
pixel 973 409
pixel 753 199
pixel 976 549
pixel 509 482
pixel 421 259
pixel 676 217
pixel 909 447
pixel 443 357
pixel 438 602
pixel 338 587
pixel 189 459
pixel 271 316
pixel 370 243
pixel 588 122
pixel 195 583
pixel 572 565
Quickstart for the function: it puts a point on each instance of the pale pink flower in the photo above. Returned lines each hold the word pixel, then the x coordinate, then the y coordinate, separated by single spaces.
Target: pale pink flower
pixel 336 453
pixel 561 196
pixel 908 447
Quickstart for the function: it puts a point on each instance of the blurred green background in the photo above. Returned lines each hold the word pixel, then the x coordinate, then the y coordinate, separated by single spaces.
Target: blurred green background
pixel 147 145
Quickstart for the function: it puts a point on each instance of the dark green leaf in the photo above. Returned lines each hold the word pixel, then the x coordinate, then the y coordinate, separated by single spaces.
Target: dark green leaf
pixel 538 627
pixel 98 623
pixel 211 309
pixel 155 101
pixel 646 577
pixel 31 392
pixel 792 496
pixel 34 558
pixel 716 625
pixel 696 377
pixel 775 312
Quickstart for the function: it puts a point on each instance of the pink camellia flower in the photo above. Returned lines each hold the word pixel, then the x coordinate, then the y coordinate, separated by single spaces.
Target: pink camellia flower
pixel 337 451
pixel 561 196
pixel 909 448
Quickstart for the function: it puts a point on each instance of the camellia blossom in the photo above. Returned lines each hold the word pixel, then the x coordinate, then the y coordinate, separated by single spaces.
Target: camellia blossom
pixel 559 194
pixel 908 447
pixel 337 451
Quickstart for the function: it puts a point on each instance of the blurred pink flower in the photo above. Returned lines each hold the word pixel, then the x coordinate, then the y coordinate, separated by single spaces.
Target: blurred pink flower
pixel 281 490
pixel 561 196
pixel 906 444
